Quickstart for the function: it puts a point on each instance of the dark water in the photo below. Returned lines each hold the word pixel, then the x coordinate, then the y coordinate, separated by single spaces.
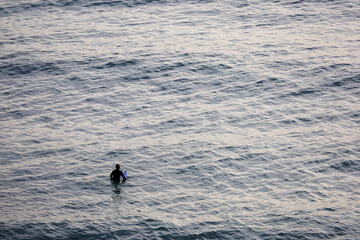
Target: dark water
pixel 235 119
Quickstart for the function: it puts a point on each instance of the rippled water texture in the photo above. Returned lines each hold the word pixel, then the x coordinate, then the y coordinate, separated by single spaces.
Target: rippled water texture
pixel 235 119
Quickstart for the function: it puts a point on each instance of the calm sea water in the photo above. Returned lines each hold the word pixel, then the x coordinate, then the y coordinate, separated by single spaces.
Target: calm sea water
pixel 235 119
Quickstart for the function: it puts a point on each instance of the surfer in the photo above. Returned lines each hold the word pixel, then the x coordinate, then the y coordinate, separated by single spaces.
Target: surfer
pixel 115 175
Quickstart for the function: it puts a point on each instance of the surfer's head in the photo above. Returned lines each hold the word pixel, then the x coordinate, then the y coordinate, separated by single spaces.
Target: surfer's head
pixel 117 166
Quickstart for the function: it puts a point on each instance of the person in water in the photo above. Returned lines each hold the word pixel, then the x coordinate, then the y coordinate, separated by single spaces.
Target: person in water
pixel 115 175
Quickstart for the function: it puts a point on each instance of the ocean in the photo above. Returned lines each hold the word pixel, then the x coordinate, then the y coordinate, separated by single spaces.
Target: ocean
pixel 235 119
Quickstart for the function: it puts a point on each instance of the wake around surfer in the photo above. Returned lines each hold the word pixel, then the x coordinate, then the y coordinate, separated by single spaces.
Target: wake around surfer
pixel 115 175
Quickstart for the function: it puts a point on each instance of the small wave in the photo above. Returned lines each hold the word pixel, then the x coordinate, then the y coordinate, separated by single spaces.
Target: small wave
pixel 304 92
pixel 121 63
pixel 131 3
pixel 118 152
pixel 210 69
pixel 135 78
pixel 296 2
pixel 22 7
pixel 18 69
pixel 44 119
pixel 328 209
pixel 347 81
pixel 330 68
pixel 178 122
pixel 13 55
pixel 43 153
pixel 16 114
pixel 167 67
pixel 288 121
pixel 76 79
pixel 41 5
pixel 347 166
pixel 7 156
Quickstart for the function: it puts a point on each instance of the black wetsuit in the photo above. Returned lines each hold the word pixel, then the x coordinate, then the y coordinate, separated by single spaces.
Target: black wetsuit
pixel 115 175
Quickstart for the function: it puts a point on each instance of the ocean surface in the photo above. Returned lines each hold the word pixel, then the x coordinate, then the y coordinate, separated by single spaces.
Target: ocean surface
pixel 235 119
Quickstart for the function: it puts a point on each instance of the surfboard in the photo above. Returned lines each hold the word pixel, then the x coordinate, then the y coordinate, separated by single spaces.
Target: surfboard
pixel 125 174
